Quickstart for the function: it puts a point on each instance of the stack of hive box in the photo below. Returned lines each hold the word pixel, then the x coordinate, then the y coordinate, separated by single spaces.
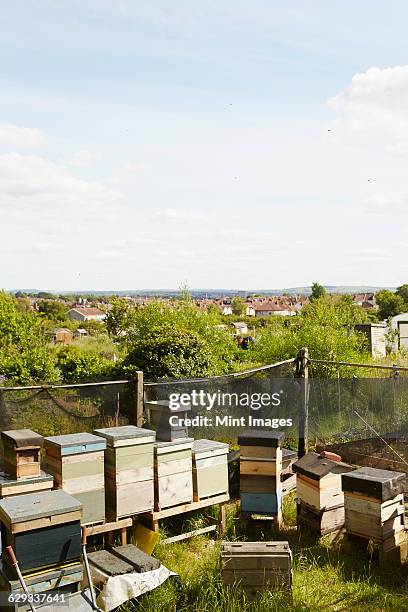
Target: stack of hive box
pixel 168 429
pixel 254 566
pixel 260 472
pixel 210 468
pixel 374 506
pixel 173 473
pixel 128 470
pixel 22 461
pixel 77 463
pixel 173 458
pixel 320 500
pixel 44 530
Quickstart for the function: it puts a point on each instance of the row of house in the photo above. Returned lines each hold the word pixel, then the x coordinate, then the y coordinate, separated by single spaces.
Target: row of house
pixel 256 307
pixel 253 307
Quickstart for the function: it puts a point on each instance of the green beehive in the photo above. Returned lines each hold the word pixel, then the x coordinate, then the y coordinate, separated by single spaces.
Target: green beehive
pixel 128 470
pixel 173 473
pixel 210 468
pixel 77 463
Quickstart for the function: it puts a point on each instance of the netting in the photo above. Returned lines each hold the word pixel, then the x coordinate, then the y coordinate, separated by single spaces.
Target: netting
pixel 224 401
pixel 364 419
pixel 63 410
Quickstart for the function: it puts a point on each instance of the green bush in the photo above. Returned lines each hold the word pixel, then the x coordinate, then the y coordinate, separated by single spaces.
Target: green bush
pixel 75 365
pixel 169 352
pixel 145 326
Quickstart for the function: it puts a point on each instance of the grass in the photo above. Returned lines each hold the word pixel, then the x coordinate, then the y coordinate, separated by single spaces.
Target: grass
pixel 326 577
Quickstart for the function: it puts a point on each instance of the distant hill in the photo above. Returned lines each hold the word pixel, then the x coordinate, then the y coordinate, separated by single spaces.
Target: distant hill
pixel 212 293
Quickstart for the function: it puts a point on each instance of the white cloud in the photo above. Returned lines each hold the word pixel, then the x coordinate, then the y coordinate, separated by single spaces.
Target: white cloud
pixel 15 137
pixel 375 104
pixel 33 186
pixel 399 149
pixel 85 158
pixel 173 214
pixel 388 203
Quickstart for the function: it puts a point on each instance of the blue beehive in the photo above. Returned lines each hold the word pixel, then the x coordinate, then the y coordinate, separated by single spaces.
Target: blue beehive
pixel 260 472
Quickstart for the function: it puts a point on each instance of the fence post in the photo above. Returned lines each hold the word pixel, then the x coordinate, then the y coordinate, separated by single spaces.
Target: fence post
pixel 302 373
pixel 139 399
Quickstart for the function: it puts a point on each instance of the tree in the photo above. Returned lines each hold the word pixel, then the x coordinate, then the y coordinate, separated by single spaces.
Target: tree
pixel 45 295
pixel 184 317
pixel 24 354
pixel 168 352
pixel 213 311
pixel 389 304
pixel 403 292
pixel 119 318
pixel 238 306
pixel 325 326
pixel 53 310
pixel 318 291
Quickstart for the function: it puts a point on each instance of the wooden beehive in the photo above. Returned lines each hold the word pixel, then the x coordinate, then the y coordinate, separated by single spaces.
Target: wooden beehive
pixel 58 580
pixel 374 503
pixel 319 493
pixel 77 463
pixel 210 468
pixel 260 469
pixel 22 448
pixel 159 415
pixel 173 473
pixel 30 484
pixel 44 529
pixel 129 478
pixel 255 566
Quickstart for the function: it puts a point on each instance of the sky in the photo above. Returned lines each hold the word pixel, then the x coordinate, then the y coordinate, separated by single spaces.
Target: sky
pixel 214 144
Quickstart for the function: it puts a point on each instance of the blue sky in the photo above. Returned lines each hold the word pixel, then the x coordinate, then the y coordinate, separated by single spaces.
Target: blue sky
pixel 218 144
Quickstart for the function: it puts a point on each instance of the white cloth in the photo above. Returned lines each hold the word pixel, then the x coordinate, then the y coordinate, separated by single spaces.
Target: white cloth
pixel 118 589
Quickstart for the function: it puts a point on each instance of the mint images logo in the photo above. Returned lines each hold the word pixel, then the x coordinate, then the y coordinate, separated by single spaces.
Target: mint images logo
pixel 220 399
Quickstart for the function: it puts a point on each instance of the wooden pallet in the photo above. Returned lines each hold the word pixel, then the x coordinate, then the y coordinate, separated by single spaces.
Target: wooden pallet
pixel 219 523
pixel 109 529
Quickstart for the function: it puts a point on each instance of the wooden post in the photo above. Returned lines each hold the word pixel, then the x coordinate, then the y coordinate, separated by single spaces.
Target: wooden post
pixel 139 399
pixel 221 520
pixel 302 374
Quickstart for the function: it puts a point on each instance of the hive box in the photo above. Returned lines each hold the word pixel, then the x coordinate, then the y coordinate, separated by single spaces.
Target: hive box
pixel 255 566
pixel 77 463
pixel 319 493
pixel 159 414
pixel 210 468
pixel 129 478
pixel 29 484
pixel 374 504
pixel 22 449
pixel 260 468
pixel 44 529
pixel 382 485
pixel 61 580
pixel 173 473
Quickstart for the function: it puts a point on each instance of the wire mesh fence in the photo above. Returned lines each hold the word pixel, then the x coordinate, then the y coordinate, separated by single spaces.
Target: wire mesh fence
pixel 68 409
pixel 364 419
pixel 223 406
